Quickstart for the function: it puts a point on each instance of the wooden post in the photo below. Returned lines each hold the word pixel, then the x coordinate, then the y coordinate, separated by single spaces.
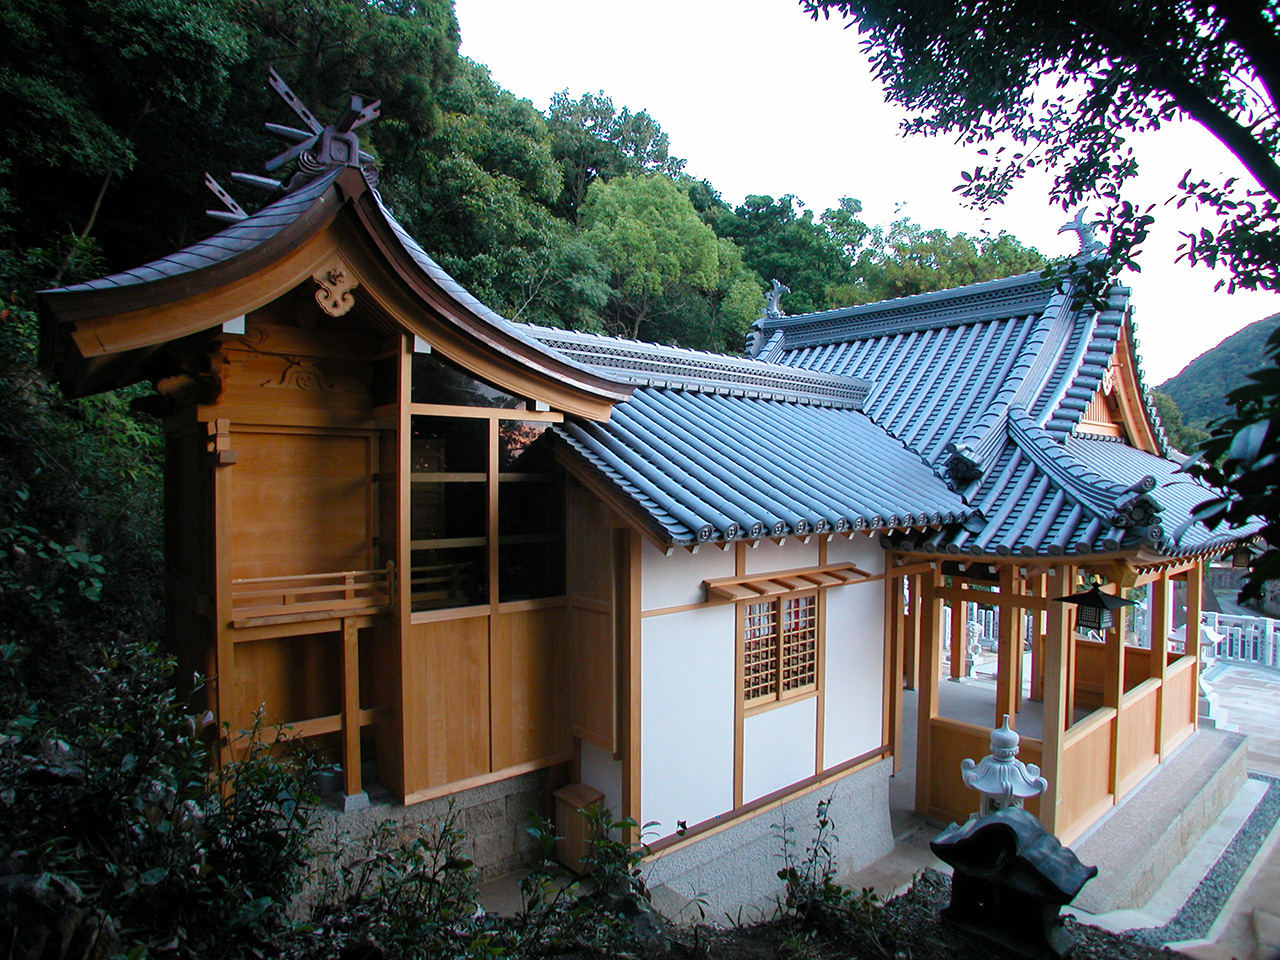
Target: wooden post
pixel 1009 650
pixel 893 630
pixel 350 708
pixel 959 648
pixel 1038 589
pixel 930 607
pixel 1113 689
pixel 1057 648
pixel 1159 665
pixel 227 703
pixel 627 626
pixel 1195 584
pixel 911 629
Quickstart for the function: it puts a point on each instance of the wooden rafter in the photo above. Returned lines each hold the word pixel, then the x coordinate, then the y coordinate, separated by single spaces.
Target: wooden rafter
pixel 787 581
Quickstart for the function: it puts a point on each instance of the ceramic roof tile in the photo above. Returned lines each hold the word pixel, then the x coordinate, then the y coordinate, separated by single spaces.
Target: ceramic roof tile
pixel 710 467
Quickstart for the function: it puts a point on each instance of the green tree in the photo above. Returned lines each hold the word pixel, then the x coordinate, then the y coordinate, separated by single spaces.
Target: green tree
pixel 1067 83
pixel 904 259
pixel 593 140
pixel 665 262
pixel 480 199
pixel 780 239
pixel 1185 438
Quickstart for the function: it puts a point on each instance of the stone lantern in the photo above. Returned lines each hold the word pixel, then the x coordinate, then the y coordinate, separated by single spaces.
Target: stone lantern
pixel 1002 780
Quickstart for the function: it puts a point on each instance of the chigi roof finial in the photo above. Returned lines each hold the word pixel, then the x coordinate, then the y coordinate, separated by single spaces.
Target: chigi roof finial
pixel 318 149
pixel 1090 245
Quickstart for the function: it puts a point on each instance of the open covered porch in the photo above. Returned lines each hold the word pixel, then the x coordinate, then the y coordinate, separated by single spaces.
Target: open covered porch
pixel 1096 711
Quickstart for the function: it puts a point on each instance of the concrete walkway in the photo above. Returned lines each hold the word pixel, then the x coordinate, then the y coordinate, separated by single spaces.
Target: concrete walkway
pixel 1248 926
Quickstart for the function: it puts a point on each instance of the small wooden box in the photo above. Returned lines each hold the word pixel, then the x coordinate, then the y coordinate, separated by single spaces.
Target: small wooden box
pixel 573 834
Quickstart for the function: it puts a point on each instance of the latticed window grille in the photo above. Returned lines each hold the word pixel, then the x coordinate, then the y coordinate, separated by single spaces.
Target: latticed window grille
pixel 779 648
pixel 760 651
pixel 799 642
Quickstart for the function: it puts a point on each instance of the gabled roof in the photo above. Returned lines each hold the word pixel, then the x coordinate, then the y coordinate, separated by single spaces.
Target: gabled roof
pixel 989 384
pixel 101 334
pixel 656 365
pixel 716 448
pixel 710 467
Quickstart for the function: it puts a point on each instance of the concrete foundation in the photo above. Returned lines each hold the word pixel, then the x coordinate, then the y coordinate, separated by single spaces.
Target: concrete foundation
pixel 732 875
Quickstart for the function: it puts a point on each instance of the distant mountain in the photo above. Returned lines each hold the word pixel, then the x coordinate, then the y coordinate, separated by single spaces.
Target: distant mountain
pixel 1203 383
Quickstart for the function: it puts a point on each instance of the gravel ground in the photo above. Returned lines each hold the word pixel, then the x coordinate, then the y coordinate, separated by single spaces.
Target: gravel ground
pixel 907 926
pixel 1196 916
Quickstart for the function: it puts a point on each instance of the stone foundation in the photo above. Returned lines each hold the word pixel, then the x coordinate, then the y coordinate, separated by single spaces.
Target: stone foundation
pixel 493 816
pixel 733 874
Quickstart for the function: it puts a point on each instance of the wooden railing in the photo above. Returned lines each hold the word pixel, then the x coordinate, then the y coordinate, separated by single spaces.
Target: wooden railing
pixel 310 596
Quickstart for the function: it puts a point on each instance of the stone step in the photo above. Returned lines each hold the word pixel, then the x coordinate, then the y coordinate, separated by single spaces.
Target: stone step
pixel 1141 841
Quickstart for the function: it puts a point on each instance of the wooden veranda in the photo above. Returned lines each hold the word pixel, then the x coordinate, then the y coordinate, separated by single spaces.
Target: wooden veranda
pixel 1111 710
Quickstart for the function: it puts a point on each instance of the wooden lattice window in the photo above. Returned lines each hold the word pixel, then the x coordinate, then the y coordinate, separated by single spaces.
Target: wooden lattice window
pixel 779 648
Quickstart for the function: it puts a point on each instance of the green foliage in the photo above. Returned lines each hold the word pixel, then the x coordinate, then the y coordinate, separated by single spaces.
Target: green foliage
pixel 112 791
pixel 80 505
pixel 782 240
pixel 1184 439
pixel 1242 459
pixel 904 259
pixel 665 262
pixel 1200 389
pixel 592 140
pixel 1063 86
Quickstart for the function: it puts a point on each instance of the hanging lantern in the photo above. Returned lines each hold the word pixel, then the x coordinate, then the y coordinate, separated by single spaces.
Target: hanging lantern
pixel 1241 557
pixel 1094 609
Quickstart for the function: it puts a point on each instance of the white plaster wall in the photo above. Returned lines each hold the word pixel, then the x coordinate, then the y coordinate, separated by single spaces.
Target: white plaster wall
pixel 778 748
pixel 601 771
pixel 766 555
pixel 854 700
pixel 857 548
pixel 687 696
pixel 676 580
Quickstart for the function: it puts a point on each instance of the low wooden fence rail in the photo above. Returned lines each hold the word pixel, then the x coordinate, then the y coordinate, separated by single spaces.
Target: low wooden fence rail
pixel 310 596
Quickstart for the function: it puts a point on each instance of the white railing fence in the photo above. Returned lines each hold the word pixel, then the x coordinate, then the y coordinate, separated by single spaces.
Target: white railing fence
pixel 1246 639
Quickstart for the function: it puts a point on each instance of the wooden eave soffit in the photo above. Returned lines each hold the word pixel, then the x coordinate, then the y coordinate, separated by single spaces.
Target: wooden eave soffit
pixel 787 581
pixel 1122 392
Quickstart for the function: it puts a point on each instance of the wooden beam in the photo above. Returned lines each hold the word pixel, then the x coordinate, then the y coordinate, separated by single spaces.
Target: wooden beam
pixel 893 662
pixel 959 650
pixel 1159 660
pixel 911 635
pixel 1113 690
pixel 627 560
pixel 1195 588
pixel 997 600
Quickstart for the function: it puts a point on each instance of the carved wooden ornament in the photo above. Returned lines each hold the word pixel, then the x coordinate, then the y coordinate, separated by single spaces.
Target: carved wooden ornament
pixel 335 294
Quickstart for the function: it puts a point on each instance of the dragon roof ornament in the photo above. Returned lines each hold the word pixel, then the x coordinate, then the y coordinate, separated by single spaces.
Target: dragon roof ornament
pixel 1086 233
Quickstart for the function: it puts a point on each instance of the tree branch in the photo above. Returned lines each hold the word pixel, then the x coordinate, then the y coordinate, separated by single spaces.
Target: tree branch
pixel 1236 138
pixel 1247 28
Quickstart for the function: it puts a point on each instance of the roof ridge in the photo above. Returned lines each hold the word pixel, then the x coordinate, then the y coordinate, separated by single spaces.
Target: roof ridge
pixel 683 368
pixel 1082 484
pixel 1019 295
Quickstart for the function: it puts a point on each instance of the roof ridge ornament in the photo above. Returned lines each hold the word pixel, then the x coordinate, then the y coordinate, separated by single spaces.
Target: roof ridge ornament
pixel 1090 245
pixel 773 300
pixel 320 148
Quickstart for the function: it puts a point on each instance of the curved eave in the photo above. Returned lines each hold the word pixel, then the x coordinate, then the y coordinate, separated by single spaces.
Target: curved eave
pixel 474 324
pixel 98 336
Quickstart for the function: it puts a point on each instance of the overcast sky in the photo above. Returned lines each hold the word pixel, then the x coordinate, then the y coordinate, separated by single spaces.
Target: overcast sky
pixel 762 100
